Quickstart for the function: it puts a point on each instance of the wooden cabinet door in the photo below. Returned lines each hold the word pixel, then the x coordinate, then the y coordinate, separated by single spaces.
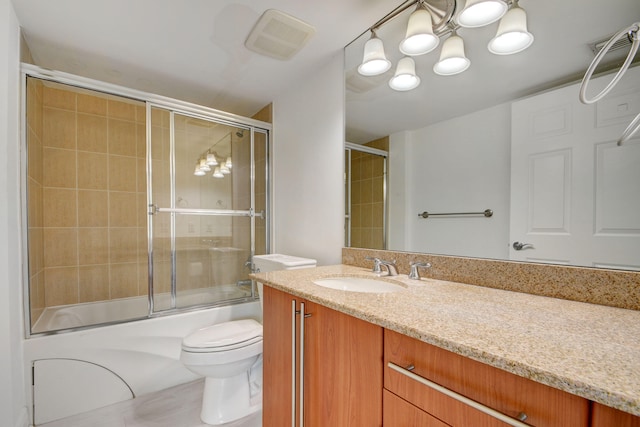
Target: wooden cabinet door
pixel 277 359
pixel 604 416
pixel 343 370
pixel 342 365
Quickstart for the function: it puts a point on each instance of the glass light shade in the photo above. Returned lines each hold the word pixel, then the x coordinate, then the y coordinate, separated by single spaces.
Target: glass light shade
pixel 374 61
pixel 228 163
pixel 512 36
pixel 224 169
pixel 452 58
pixel 211 159
pixel 419 38
pixel 199 172
pixel 217 173
pixel 478 13
pixel 204 166
pixel 405 77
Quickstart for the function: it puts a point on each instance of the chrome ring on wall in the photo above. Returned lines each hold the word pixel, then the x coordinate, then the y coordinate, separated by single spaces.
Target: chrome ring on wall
pixel 630 31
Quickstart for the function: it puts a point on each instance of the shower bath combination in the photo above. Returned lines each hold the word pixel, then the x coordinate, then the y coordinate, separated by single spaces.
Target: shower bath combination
pixel 97 156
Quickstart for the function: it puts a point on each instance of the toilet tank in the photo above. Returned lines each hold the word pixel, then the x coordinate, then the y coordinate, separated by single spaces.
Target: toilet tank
pixel 273 262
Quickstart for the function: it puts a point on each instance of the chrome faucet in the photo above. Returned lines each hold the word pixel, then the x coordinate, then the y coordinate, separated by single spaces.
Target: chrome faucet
pixel 378 263
pixel 414 274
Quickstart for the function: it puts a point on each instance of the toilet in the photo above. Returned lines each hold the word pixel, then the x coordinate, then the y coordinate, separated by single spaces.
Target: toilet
pixel 229 356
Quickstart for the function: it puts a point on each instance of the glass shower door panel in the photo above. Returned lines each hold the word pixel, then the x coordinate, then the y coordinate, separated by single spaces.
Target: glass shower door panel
pixel 211 255
pixel 212 165
pixel 261 173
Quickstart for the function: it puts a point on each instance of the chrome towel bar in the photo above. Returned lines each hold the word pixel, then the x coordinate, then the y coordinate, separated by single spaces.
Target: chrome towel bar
pixel 487 213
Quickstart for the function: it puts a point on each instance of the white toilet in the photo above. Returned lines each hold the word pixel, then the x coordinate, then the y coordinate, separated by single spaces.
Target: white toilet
pixel 229 356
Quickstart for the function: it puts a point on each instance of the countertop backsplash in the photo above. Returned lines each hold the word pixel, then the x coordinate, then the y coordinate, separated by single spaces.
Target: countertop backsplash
pixel 615 288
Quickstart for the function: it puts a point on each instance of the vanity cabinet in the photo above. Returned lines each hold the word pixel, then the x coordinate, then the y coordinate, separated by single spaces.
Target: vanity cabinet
pixel 321 367
pixel 604 416
pixel 410 363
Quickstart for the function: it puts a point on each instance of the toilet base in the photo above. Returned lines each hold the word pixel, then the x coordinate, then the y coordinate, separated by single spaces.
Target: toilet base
pixel 227 399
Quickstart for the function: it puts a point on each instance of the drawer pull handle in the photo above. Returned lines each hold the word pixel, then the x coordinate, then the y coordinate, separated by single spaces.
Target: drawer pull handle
pixel 460 398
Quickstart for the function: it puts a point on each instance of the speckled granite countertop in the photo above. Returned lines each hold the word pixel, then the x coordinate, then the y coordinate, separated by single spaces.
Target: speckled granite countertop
pixel 589 350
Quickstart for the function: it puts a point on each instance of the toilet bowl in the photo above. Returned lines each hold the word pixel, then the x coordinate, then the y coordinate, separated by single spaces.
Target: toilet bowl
pixel 229 356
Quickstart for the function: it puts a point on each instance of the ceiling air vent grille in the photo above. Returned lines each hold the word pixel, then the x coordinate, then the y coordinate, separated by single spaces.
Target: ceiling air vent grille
pixel 621 43
pixel 279 35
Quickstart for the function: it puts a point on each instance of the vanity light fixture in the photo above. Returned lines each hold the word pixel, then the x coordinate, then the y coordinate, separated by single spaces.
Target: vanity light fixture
pixel 435 18
pixel 217 173
pixel 419 38
pixel 478 13
pixel 198 171
pixel 452 58
pixel 405 77
pixel 512 36
pixel 228 163
pixel 211 159
pixel 374 61
pixel 224 169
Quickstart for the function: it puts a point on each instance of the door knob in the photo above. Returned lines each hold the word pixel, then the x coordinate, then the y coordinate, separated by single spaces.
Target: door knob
pixel 518 246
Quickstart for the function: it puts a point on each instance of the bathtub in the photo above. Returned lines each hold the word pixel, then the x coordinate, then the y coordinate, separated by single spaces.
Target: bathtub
pixel 101 312
pixel 78 371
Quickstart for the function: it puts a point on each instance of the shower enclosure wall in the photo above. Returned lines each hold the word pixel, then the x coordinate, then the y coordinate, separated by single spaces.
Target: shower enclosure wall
pixel 119 224
pixel 366 194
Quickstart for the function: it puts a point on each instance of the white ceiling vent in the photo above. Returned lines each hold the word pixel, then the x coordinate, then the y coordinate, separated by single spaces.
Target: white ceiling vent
pixel 279 35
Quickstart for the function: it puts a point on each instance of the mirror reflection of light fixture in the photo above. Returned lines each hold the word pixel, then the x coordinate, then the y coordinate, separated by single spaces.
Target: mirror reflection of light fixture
pixel 478 13
pixel 452 58
pixel 204 166
pixel 198 171
pixel 419 38
pixel 228 163
pixel 434 18
pixel 512 36
pixel 224 169
pixel 211 159
pixel 374 61
pixel 217 173
pixel 405 77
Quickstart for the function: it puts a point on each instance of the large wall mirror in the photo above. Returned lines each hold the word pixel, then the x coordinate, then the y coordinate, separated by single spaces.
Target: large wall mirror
pixel 508 135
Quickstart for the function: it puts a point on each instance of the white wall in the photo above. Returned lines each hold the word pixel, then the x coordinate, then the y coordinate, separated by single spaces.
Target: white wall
pixel 458 165
pixel 308 153
pixel 12 388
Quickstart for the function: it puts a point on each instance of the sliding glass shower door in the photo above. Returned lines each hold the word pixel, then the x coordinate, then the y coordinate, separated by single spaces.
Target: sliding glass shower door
pixel 205 212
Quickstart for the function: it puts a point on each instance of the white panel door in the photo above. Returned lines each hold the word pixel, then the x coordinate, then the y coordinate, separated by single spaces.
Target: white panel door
pixel 575 195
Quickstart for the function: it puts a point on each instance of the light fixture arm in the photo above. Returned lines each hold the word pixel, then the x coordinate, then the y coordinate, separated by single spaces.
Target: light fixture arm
pixel 441 18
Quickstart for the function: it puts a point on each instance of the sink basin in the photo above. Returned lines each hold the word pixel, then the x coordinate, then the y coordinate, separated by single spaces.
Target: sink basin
pixel 359 284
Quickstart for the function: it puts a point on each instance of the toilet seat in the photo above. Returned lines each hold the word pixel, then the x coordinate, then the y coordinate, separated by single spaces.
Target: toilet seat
pixel 223 337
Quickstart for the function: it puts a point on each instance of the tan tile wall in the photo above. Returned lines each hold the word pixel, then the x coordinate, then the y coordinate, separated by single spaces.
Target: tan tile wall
pixel 367 197
pixel 93 197
pixel 35 198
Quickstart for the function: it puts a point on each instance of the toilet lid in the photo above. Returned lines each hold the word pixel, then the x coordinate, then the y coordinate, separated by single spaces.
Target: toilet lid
pixel 224 336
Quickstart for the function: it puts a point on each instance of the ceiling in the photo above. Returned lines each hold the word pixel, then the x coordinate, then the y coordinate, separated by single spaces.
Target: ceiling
pixel 190 50
pixel 194 51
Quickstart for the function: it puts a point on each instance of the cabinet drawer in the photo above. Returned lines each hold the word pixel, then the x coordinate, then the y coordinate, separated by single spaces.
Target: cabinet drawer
pixel 604 416
pixel 400 413
pixel 499 390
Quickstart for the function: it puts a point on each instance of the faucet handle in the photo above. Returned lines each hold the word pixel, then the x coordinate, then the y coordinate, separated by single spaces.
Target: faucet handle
pixel 377 262
pixel 414 274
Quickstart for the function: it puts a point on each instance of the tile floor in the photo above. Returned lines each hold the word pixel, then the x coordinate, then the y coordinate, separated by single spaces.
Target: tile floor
pixel 178 406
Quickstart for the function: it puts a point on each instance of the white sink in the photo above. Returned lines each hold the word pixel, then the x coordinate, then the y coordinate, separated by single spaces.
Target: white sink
pixel 359 284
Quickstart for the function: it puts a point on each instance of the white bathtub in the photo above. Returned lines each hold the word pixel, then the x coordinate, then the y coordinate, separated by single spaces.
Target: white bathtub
pixel 75 372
